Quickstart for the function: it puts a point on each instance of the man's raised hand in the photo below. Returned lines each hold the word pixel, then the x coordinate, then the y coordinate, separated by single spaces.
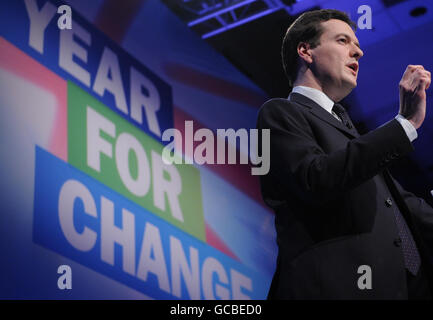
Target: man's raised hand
pixel 415 81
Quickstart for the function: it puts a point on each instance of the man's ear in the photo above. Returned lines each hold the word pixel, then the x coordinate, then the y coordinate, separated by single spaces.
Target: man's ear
pixel 304 52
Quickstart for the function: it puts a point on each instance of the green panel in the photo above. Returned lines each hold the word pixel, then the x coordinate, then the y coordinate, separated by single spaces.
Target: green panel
pixel 190 199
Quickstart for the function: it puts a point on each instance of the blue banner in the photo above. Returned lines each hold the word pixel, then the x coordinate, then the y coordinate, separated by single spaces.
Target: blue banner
pixel 80 218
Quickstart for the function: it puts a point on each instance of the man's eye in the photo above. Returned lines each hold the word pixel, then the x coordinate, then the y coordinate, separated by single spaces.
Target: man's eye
pixel 342 40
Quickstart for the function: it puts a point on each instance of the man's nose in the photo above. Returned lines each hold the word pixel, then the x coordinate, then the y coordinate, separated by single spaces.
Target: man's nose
pixel 357 53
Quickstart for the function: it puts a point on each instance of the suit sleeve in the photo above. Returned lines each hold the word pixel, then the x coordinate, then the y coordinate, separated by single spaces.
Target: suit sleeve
pixel 300 166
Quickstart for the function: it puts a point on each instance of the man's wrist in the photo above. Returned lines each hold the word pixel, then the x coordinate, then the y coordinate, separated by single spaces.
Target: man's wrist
pixel 408 127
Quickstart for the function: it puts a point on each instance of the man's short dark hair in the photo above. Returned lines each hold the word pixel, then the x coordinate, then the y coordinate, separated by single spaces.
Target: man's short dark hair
pixel 306 28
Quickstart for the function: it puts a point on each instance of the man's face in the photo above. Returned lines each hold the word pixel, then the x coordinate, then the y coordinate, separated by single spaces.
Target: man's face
pixel 335 59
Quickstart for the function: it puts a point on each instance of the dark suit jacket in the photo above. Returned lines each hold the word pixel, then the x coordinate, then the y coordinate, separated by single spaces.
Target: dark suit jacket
pixel 333 200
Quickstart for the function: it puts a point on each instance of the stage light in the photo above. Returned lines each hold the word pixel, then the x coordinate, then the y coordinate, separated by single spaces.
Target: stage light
pixel 418 11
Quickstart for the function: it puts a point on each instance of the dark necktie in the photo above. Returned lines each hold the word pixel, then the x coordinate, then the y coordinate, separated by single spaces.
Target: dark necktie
pixel 412 259
pixel 342 114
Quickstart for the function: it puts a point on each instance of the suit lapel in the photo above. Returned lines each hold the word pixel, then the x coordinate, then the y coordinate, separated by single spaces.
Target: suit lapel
pixel 321 113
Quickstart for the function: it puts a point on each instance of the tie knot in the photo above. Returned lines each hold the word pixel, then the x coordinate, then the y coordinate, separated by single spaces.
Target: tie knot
pixel 338 109
pixel 341 113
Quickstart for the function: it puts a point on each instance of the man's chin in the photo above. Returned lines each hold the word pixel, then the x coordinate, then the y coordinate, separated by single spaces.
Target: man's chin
pixel 347 88
pixel 351 84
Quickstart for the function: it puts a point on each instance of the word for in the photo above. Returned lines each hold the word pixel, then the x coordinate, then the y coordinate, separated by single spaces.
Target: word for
pixel 148 172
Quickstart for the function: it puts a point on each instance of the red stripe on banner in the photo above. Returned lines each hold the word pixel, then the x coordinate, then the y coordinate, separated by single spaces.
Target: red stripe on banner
pixel 239 175
pixel 16 61
pixel 215 241
pixel 214 85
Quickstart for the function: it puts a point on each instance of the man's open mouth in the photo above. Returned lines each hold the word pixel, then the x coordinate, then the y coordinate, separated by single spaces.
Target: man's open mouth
pixel 353 67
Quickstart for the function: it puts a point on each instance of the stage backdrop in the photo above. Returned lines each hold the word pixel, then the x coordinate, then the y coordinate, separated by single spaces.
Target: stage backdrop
pixel 82 181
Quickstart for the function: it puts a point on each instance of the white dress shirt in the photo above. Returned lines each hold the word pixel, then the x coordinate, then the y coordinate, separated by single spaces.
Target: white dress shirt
pixel 326 103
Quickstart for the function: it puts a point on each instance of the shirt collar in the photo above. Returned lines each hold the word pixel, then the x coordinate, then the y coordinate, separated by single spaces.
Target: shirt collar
pixel 317 96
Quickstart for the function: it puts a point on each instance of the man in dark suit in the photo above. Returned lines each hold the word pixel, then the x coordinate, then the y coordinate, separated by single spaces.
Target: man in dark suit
pixel 345 228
